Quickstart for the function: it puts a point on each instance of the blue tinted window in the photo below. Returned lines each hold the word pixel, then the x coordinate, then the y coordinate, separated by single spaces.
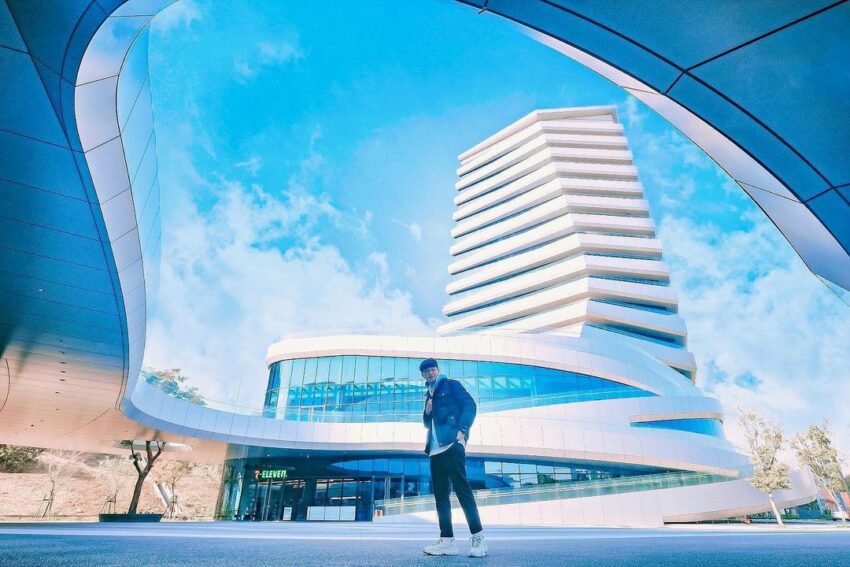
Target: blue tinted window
pixel 310 367
pixel 413 368
pixel 361 369
pixel 400 371
pixel 374 368
pixel 333 388
pixel 701 426
pixel 347 369
pixel 387 367
pixel 297 372
pixel 285 373
pixel 323 364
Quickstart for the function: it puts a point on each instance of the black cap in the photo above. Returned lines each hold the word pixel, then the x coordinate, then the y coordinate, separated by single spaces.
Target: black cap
pixel 428 363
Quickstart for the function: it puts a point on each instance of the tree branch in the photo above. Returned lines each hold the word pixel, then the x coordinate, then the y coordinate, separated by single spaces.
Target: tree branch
pixel 135 458
pixel 160 446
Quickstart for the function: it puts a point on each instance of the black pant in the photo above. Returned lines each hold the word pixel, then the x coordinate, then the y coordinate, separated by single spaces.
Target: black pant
pixel 448 466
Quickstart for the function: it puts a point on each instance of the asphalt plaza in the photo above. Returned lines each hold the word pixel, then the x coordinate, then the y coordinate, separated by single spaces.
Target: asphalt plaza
pixel 331 544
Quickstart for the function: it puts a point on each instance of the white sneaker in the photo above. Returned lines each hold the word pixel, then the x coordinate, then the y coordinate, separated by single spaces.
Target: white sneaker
pixel 444 546
pixel 478 547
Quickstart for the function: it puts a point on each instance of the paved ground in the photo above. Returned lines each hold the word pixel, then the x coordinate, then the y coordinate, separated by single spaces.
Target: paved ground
pixel 327 545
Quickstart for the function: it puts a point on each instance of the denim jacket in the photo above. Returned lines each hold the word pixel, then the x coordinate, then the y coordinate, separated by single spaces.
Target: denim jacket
pixel 452 410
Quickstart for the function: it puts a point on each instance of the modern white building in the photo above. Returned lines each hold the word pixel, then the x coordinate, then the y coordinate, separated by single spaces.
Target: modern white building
pixel 564 328
pixel 81 231
pixel 80 187
pixel 553 235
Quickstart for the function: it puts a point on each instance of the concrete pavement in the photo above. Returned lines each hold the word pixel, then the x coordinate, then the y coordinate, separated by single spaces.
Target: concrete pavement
pixel 331 544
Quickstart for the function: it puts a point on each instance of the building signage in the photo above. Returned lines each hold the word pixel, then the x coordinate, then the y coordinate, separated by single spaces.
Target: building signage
pixel 269 473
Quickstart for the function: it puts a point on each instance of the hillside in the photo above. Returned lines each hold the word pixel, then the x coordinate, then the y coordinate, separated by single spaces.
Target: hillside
pixel 82 488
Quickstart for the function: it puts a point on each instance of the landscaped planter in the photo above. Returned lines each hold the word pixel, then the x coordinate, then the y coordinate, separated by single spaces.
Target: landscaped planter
pixel 129 517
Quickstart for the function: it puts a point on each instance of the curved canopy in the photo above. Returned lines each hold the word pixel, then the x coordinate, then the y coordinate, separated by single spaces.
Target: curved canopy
pixel 761 87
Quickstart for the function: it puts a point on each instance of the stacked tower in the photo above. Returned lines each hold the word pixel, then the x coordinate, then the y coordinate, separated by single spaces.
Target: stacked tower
pixel 553 235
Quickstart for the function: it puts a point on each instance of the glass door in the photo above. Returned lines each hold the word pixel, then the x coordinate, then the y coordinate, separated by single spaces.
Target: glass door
pixel 395 487
pixel 273 508
pixel 293 494
pixel 261 501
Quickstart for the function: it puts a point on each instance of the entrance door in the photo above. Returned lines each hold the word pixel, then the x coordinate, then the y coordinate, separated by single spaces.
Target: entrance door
pixel 261 504
pixel 273 509
pixel 293 494
pixel 395 487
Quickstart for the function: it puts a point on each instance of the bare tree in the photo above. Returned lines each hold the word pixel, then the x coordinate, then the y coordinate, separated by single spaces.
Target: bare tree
pixel 170 473
pixel 58 465
pixel 143 467
pixel 764 439
pixel 113 473
pixel 815 450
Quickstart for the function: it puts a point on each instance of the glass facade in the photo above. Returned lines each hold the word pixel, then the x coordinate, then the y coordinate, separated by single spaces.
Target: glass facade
pixel 268 485
pixel 703 426
pixel 356 389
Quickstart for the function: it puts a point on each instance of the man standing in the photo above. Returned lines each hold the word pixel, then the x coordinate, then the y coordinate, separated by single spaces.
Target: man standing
pixel 449 413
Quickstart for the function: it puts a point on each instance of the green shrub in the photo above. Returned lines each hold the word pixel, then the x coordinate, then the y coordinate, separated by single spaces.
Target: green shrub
pixel 15 459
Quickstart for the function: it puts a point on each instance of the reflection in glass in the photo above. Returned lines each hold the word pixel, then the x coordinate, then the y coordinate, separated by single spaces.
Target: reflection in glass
pixel 333 389
pixel 702 426
pixel 367 483
pixel 105 53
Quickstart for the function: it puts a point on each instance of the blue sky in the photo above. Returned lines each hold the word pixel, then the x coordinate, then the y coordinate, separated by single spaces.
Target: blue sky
pixel 307 156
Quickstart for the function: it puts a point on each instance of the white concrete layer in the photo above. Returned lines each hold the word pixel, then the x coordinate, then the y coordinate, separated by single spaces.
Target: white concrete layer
pixel 555 134
pixel 549 222
pixel 572 245
pixel 541 149
pixel 559 272
pixel 550 172
pixel 574 168
pixel 588 242
pixel 650 508
pixel 665 325
pixel 673 356
pixel 584 119
pixel 548 300
pixel 603 205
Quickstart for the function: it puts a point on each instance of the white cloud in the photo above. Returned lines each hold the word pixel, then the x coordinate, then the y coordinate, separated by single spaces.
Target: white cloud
pixel 252 165
pixel 672 167
pixel 766 333
pixel 243 69
pixel 280 52
pixel 248 269
pixel 363 223
pixel 267 55
pixel 178 16
pixel 227 293
pixel 413 228
pixel 381 267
